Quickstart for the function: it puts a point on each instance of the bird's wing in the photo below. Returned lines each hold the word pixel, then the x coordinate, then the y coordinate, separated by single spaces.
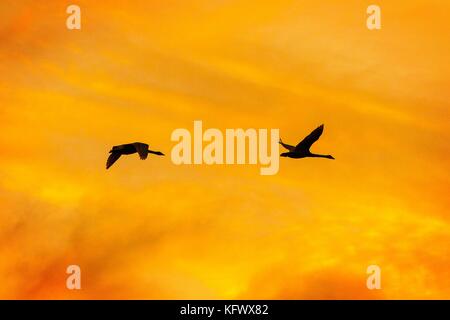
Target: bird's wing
pixel 310 139
pixel 141 149
pixel 111 159
pixel 287 146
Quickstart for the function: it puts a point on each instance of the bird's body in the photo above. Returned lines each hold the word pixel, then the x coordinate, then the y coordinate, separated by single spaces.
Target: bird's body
pixel 301 150
pixel 124 149
pixel 129 148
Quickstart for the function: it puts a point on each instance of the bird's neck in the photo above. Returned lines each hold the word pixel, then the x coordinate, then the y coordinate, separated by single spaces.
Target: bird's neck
pixel 321 156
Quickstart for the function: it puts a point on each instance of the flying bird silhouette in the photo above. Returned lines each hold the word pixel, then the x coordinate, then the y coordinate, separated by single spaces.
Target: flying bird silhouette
pixel 130 148
pixel 301 150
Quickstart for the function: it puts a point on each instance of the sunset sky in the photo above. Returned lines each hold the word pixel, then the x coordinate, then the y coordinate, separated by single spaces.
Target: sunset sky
pixel 137 70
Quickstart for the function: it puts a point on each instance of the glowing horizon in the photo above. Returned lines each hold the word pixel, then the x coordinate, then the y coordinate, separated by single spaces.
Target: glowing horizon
pixel 154 230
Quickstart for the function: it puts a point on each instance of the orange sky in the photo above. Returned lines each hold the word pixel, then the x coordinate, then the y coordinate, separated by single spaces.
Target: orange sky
pixel 150 229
